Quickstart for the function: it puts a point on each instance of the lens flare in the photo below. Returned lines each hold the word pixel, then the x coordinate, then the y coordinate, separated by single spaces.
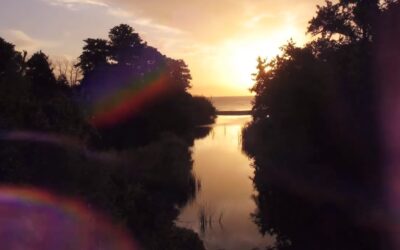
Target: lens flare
pixel 37 220
pixel 122 95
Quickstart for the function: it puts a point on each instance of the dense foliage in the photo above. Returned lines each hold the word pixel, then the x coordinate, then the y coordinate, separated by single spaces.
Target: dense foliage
pixel 128 66
pixel 138 169
pixel 316 131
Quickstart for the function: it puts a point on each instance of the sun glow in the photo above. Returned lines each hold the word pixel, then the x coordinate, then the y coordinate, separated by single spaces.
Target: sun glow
pixel 237 58
pixel 243 60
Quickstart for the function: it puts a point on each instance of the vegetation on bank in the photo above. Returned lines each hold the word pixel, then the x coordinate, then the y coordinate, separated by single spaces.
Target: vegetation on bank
pixel 73 138
pixel 316 134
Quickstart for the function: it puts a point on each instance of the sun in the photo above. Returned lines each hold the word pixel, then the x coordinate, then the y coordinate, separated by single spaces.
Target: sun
pixel 243 64
pixel 228 66
pixel 238 57
pixel 242 59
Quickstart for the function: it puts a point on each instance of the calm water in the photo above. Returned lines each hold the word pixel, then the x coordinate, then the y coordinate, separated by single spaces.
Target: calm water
pixel 225 197
pixel 232 103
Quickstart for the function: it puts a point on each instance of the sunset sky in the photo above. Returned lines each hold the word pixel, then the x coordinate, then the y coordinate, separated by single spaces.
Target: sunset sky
pixel 219 39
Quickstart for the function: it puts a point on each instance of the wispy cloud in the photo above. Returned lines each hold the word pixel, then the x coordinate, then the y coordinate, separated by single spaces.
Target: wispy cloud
pixel 113 10
pixel 255 20
pixel 23 41
pixel 149 23
pixel 118 12
pixel 75 4
pixel 199 31
pixel 146 23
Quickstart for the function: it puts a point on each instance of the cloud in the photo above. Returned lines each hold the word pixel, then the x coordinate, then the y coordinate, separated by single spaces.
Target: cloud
pixel 255 20
pixel 211 21
pixel 23 41
pixel 75 4
pixel 143 22
pixel 148 23
pixel 208 34
pixel 205 20
pixel 113 9
pixel 118 12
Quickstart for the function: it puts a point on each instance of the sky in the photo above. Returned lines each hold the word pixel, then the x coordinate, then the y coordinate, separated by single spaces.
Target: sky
pixel 220 40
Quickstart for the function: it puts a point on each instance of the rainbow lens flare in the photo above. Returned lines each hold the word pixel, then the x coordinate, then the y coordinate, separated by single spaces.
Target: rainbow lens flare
pixel 122 95
pixel 33 219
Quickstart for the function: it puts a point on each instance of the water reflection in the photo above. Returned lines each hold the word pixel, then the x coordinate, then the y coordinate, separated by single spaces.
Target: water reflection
pixel 222 209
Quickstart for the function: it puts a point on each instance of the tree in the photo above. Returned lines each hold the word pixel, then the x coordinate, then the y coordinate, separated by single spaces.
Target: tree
pixel 316 132
pixel 179 74
pixel 46 141
pixel 350 20
pixel 67 72
pixel 260 76
pixel 125 45
pixel 40 74
pixel 154 85
pixel 11 60
pixel 95 55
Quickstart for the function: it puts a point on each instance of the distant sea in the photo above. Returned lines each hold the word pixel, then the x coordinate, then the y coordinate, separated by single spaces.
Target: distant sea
pixel 232 103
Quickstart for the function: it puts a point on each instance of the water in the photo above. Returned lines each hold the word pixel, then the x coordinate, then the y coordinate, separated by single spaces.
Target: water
pixel 232 103
pixel 225 198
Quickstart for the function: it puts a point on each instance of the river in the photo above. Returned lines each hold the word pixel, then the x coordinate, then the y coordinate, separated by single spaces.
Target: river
pixel 221 212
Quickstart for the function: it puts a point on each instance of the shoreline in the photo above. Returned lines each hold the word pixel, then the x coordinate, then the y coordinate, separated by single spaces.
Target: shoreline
pixel 240 112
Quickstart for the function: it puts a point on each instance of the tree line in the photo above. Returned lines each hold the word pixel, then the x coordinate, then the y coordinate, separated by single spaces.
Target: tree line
pixel 136 164
pixel 317 137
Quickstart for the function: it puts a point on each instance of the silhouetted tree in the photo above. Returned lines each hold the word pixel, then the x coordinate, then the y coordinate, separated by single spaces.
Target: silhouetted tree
pixel 11 60
pixel 45 141
pixel 351 20
pixel 40 74
pixel 95 55
pixel 179 74
pixel 125 45
pixel 315 135
pixel 130 64
pixel 67 72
